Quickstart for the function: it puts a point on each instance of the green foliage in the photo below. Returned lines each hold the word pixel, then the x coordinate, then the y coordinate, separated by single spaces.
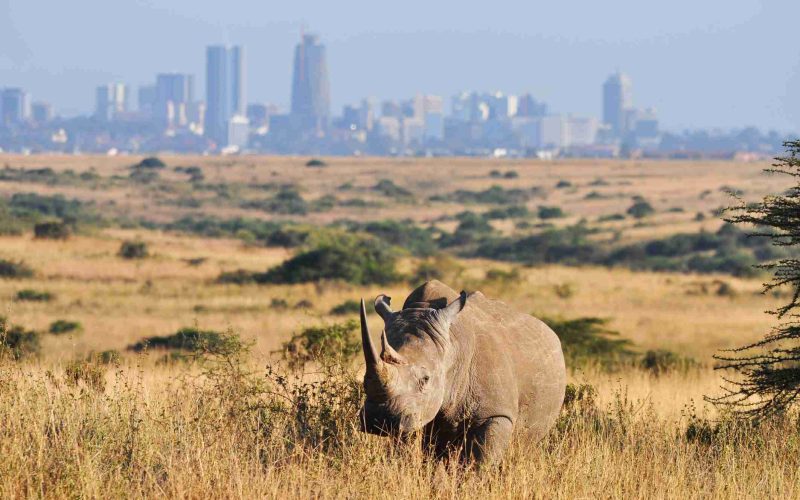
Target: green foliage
pixel 387 187
pixel 495 195
pixel 405 234
pixel 62 326
pixel 193 340
pixel 91 370
pixel 353 259
pixel 151 162
pixel 349 306
pixel 563 184
pixel 30 295
pixel 35 206
pixel 286 201
pixel 131 250
pixel 53 230
pixel 510 212
pixel 316 162
pixel 329 344
pixel 10 269
pixel 17 341
pixel 545 212
pixel 661 361
pixel 588 340
pixel 640 209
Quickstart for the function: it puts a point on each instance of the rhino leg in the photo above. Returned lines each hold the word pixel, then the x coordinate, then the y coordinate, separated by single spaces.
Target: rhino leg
pixel 487 442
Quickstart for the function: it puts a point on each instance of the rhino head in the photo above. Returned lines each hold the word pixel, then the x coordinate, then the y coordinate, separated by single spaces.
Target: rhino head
pixel 406 382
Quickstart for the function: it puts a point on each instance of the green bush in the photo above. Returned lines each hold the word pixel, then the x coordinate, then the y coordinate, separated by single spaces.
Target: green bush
pixel 62 326
pixel 563 184
pixel 151 162
pixel 315 162
pixel 388 188
pixel 133 250
pixel 53 230
pixel 588 340
pixel 331 344
pixel 494 195
pixel 641 209
pixel 545 212
pixel 14 269
pixel 18 342
pixel 30 295
pixel 352 259
pixel 190 339
pixel 660 362
pixel 347 307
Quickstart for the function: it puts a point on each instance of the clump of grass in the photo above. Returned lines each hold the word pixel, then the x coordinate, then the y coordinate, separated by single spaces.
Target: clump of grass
pixel 661 361
pixel 31 295
pixel 349 306
pixel 11 269
pixel 17 341
pixel 334 343
pixel 132 250
pixel 62 326
pixel 52 230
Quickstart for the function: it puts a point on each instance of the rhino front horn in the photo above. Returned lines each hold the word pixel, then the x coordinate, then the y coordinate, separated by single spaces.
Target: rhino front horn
pixel 370 354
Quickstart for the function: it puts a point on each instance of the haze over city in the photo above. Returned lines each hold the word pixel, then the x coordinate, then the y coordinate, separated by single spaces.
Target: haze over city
pixel 715 64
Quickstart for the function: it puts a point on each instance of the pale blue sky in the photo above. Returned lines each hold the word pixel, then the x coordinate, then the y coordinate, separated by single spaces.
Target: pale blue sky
pixel 700 63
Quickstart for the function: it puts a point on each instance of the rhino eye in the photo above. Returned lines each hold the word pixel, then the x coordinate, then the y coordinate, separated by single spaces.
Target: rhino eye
pixel 423 381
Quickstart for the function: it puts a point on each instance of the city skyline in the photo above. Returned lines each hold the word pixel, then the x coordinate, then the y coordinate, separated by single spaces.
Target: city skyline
pixel 694 69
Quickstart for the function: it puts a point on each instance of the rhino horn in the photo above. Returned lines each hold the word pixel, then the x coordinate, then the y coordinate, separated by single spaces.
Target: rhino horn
pixel 388 354
pixel 370 354
pixel 382 307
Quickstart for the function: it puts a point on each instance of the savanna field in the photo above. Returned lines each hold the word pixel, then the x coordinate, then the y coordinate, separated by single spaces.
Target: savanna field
pixel 185 326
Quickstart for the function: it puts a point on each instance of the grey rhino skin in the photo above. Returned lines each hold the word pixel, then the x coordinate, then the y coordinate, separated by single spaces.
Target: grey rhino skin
pixel 504 372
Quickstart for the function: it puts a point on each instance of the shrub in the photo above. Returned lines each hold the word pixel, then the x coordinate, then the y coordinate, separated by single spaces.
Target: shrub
pixel 62 326
pixel 511 174
pixel 511 212
pixel 641 209
pixel 90 371
pixel 355 260
pixel 151 162
pixel 18 342
pixel 133 250
pixel 588 340
pixel 276 303
pixel 54 230
pixel 349 306
pixel 35 205
pixel 335 343
pixel 315 162
pixel 388 188
pixel 190 339
pixel 14 269
pixel 30 295
pixel 286 201
pixel 563 184
pixel 661 361
pixel 502 277
pixel 550 212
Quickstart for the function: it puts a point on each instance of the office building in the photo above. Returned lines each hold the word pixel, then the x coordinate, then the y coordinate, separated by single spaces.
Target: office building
pixel 225 90
pixel 14 106
pixel 111 100
pixel 174 95
pixel 310 87
pixel 617 99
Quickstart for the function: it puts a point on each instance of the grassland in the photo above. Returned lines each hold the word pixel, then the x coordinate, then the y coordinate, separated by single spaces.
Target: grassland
pixel 197 430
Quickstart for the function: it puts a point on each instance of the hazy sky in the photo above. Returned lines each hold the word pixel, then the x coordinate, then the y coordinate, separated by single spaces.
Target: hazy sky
pixel 701 63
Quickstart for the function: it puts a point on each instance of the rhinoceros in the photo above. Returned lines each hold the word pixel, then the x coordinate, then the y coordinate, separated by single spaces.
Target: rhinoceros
pixel 466 370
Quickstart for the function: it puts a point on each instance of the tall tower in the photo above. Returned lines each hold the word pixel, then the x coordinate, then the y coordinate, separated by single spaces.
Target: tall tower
pixel 225 90
pixel 174 95
pixel 310 87
pixel 110 100
pixel 617 99
pixel 15 106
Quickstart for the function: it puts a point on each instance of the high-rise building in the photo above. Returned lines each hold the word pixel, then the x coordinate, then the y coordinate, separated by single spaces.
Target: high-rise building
pixel 310 86
pixel 146 99
pixel 225 90
pixel 41 112
pixel 174 95
pixel 529 107
pixel 617 98
pixel 110 100
pixel 15 106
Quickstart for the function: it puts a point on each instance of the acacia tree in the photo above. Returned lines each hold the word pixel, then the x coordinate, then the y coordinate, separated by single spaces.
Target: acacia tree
pixel 768 380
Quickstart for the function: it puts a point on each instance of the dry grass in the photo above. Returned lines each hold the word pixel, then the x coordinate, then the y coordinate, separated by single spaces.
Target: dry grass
pixel 168 431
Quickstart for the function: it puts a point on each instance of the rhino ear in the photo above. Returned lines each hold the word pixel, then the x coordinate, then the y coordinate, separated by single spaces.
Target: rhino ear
pixel 448 314
pixel 383 308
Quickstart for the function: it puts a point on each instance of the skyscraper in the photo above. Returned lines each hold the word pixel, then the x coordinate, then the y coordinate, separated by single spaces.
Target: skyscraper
pixel 617 98
pixel 310 87
pixel 110 100
pixel 225 96
pixel 174 95
pixel 15 106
